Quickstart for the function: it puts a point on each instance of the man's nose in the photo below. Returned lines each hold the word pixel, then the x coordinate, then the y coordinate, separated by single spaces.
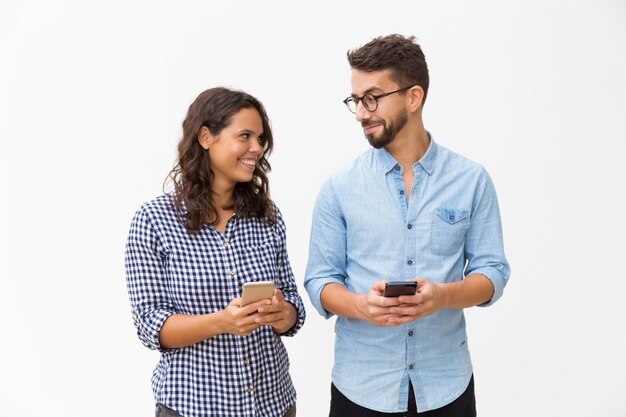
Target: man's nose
pixel 362 113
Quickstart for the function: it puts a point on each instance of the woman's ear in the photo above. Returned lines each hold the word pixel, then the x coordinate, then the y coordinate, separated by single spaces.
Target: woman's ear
pixel 205 138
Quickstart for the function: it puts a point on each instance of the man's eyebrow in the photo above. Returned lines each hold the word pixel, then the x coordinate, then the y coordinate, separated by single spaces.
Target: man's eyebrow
pixel 370 91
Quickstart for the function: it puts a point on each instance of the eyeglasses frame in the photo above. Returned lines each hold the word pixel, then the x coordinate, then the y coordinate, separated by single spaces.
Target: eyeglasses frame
pixel 375 97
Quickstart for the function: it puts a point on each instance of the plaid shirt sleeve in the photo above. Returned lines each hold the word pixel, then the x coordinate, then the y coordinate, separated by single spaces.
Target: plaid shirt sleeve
pixel 146 279
pixel 285 280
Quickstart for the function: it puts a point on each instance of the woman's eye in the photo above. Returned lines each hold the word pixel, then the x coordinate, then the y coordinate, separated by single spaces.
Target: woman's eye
pixel 245 135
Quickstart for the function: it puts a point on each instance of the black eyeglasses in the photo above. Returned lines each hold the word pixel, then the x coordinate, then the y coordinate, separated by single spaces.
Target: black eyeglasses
pixel 370 101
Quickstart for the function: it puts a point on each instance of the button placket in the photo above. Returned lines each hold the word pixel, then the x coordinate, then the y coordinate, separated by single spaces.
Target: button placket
pixel 229 249
pixel 411 229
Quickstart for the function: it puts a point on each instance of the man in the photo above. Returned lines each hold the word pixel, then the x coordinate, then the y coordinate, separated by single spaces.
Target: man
pixel 409 209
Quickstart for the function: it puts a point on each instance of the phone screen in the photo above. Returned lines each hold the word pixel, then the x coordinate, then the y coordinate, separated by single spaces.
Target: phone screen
pixel 398 288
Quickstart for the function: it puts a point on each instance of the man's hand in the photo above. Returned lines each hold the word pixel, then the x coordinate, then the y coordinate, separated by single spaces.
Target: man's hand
pixel 375 308
pixel 280 314
pixel 428 299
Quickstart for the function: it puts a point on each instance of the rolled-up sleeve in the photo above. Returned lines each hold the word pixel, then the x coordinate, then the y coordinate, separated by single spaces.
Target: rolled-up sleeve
pixel 484 247
pixel 327 247
pixel 146 280
pixel 285 278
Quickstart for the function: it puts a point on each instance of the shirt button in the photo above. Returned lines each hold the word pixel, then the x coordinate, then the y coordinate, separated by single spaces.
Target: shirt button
pixel 411 366
pixel 410 332
pixel 226 244
pixel 451 217
pixel 409 226
pixel 135 313
pixel 410 262
pixel 397 167
pixel 401 192
pixel 245 361
pixel 249 389
pixel 232 272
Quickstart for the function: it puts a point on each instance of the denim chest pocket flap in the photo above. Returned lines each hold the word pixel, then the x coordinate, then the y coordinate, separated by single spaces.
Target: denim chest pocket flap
pixel 451 216
pixel 448 230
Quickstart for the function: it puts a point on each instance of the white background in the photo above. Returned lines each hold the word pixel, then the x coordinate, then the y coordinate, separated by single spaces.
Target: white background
pixel 92 96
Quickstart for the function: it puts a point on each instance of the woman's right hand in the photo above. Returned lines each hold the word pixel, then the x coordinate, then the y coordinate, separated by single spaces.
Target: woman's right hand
pixel 238 320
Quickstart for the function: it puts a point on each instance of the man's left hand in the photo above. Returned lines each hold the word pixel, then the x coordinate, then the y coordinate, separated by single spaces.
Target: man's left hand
pixel 428 299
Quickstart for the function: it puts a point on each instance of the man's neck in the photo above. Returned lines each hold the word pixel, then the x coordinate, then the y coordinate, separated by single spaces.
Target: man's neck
pixel 409 145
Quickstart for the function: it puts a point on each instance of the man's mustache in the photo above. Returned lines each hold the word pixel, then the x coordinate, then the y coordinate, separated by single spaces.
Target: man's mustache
pixel 372 122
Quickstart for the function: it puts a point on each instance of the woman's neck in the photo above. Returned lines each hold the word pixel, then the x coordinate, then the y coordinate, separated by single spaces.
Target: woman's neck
pixel 223 195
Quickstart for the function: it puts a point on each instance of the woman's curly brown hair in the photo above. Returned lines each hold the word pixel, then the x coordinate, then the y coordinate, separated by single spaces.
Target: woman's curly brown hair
pixel 192 175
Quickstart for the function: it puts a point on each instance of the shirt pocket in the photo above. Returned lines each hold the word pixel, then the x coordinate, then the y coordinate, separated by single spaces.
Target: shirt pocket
pixel 448 230
pixel 258 263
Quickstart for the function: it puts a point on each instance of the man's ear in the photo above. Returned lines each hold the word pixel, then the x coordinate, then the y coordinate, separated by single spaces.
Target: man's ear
pixel 416 98
pixel 205 138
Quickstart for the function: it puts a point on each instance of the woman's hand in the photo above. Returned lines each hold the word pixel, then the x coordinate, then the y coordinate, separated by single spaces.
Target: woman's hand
pixel 281 315
pixel 241 321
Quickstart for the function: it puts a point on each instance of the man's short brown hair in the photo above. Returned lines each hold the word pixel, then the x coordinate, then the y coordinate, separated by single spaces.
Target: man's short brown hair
pixel 402 55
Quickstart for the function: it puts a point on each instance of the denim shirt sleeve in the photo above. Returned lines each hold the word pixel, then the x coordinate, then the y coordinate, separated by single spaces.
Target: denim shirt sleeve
pixel 146 280
pixel 285 280
pixel 484 248
pixel 327 247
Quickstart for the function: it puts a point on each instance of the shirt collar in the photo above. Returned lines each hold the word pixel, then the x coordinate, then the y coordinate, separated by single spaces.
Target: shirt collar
pixel 430 157
pixel 386 162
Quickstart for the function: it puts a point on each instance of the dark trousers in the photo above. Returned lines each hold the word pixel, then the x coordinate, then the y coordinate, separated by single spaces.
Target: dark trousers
pixel 464 406
pixel 163 411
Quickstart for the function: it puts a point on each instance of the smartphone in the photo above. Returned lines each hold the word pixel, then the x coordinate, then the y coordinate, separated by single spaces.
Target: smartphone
pixel 255 291
pixel 398 288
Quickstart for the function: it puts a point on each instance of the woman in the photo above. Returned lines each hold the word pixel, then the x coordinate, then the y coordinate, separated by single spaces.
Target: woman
pixel 190 252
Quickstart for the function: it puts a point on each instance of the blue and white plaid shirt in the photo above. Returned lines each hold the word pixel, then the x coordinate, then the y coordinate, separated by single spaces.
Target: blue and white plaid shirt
pixel 172 272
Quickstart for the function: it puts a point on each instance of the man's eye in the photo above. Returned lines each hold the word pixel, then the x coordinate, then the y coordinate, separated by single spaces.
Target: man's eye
pixel 370 100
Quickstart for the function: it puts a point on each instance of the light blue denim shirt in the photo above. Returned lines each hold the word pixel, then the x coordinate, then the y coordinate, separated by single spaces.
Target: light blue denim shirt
pixel 365 230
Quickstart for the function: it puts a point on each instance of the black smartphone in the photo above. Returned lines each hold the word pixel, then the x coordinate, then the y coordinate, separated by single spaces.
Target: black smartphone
pixel 398 288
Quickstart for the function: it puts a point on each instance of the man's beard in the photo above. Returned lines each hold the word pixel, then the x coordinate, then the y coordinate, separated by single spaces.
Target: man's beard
pixel 389 132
